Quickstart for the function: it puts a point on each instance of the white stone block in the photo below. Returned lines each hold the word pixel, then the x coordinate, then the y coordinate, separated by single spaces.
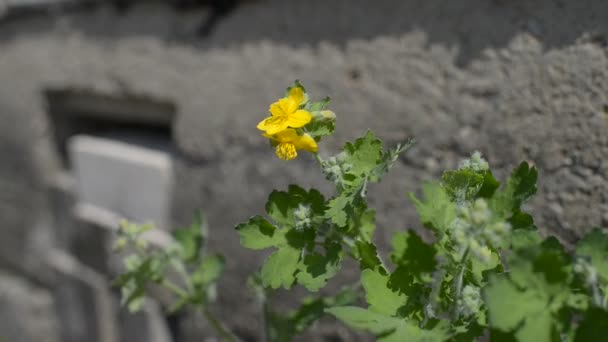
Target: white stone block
pixel 132 179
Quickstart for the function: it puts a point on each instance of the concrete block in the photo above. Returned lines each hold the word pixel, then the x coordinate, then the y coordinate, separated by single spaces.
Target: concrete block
pixel 148 325
pixel 27 312
pixel 133 178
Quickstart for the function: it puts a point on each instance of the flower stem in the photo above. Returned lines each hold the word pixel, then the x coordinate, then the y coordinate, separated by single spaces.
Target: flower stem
pixel 169 285
pixel 219 328
pixel 460 280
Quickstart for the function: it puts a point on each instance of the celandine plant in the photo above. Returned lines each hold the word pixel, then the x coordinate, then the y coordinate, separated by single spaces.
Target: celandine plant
pixel 488 274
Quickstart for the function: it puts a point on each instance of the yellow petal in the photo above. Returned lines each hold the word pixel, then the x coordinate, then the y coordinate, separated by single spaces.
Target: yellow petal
pixel 296 94
pixel 286 135
pixel 278 108
pixel 306 142
pixel 273 124
pixel 299 118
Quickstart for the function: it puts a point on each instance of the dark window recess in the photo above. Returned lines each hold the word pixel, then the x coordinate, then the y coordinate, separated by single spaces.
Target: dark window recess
pixel 131 119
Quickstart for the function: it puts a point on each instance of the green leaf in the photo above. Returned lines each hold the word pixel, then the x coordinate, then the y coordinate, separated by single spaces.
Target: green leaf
pixel 316 269
pixel 462 184
pixel 387 329
pixel 280 268
pixel 363 155
pixel 490 185
pixel 594 327
pixel 528 298
pixel 281 205
pixel 258 233
pixel 508 306
pixel 380 298
pixel 437 211
pixel 320 127
pixel 366 225
pixel 538 327
pixel 318 106
pixel 191 239
pixel 208 271
pixel 368 255
pixel 519 188
pixel 594 246
pixel 521 220
pixel 414 254
pixel 389 158
pixel 545 268
pixel 479 268
pixel 521 239
pixel 364 319
pixel 336 209
pixel 312 309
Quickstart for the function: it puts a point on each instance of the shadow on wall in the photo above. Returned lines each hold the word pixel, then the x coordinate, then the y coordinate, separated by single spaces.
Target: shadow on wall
pixel 467 25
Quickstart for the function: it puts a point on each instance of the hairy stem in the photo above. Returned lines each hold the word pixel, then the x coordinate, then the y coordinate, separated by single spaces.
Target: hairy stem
pixel 459 281
pixel 219 328
pixel 169 285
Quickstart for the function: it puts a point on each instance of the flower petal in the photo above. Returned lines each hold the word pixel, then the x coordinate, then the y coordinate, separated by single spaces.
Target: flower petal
pixel 286 135
pixel 296 94
pixel 273 124
pixel 278 108
pixel 299 118
pixel 306 142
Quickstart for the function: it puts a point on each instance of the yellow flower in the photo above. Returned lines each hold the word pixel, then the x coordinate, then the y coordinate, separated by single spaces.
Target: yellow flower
pixel 288 142
pixel 285 113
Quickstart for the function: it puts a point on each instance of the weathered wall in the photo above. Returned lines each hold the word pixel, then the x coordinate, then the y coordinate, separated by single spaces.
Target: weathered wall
pixel 513 79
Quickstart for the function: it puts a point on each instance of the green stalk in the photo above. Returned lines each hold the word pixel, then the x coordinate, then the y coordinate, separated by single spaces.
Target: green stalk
pixel 459 280
pixel 219 328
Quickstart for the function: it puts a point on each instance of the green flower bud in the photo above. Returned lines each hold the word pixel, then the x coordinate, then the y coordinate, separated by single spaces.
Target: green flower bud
pixel 471 300
pixel 302 216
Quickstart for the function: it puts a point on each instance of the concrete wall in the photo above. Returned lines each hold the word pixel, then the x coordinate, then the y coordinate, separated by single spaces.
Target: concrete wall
pixel 514 79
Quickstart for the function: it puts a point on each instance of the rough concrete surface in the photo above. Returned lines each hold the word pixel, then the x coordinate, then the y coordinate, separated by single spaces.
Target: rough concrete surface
pixel 517 80
pixel 26 312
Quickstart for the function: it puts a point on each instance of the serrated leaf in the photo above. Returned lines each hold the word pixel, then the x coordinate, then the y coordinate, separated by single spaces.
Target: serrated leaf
pixel 387 329
pixel 208 271
pixel 367 225
pixel 508 306
pixel 280 268
pixel 521 221
pixel 594 247
pixel 490 185
pixel 388 159
pixel 364 319
pixel 544 268
pixel 594 327
pixel 538 327
pixel 437 211
pixel 191 239
pixel 336 209
pixel 281 205
pixel 258 233
pixel 479 268
pixel 316 269
pixel 320 128
pixel 520 186
pixel 414 254
pixel 380 298
pixel 521 239
pixel 462 184
pixel 364 154
pixel 318 106
pixel 368 255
